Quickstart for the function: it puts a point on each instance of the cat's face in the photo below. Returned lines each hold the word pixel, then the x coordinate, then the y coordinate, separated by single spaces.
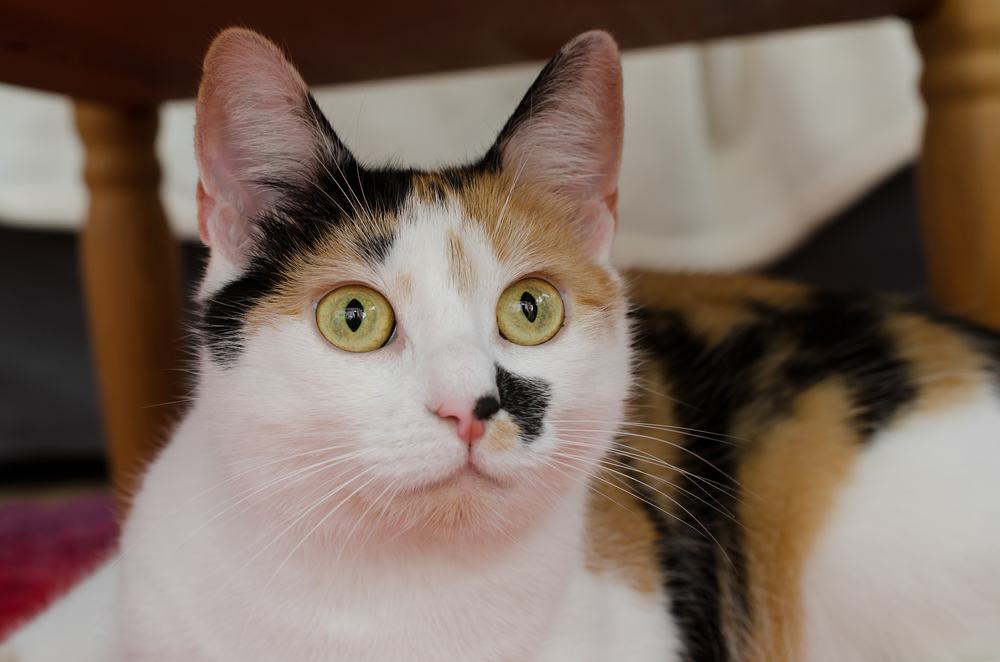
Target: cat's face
pixel 393 354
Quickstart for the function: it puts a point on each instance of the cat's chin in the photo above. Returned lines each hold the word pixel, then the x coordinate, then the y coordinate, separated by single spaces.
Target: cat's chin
pixel 467 506
pixel 469 478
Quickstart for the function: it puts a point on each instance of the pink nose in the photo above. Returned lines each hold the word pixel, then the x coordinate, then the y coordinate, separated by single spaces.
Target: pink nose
pixel 468 427
pixel 469 417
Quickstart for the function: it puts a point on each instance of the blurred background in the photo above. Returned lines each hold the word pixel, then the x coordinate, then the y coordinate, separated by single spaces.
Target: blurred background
pixel 788 153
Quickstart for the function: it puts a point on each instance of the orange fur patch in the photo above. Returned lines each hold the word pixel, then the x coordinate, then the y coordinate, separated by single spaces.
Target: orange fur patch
pixel 713 305
pixel 944 366
pixel 458 264
pixel 621 539
pixel 430 188
pixel 621 536
pixel 531 229
pixel 653 444
pixel 501 435
pixel 790 480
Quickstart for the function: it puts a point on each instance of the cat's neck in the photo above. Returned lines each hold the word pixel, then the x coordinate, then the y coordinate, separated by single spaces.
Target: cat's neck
pixel 487 606
pixel 542 555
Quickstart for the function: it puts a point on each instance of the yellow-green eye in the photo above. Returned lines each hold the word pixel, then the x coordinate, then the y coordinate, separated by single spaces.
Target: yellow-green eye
pixel 529 312
pixel 355 318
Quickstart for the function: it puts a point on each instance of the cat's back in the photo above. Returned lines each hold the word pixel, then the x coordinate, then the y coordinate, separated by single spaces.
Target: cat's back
pixel 807 474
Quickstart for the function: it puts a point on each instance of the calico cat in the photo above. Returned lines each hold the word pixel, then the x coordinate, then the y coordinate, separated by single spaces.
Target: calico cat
pixel 434 423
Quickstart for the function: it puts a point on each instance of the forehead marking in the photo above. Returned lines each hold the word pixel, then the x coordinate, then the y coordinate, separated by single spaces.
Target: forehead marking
pixel 430 188
pixel 459 266
pixel 404 285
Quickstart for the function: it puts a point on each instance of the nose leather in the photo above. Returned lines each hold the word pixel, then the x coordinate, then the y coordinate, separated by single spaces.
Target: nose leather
pixel 469 417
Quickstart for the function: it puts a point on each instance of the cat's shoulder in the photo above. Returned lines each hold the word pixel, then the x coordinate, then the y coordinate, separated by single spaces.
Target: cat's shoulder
pixel 785 337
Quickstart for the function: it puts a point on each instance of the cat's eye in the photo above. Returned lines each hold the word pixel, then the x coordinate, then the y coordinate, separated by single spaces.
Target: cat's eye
pixel 529 312
pixel 355 318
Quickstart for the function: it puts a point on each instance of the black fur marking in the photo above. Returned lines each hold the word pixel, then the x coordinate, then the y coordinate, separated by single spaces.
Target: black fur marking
pixel 486 407
pixel 831 335
pixel 844 335
pixel 223 315
pixel 438 192
pixel 525 400
pixel 339 190
pixel 713 383
pixel 375 247
pixel 458 177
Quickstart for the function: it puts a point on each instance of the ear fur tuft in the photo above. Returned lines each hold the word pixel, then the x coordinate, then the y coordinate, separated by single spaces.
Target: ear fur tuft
pixel 567 133
pixel 256 123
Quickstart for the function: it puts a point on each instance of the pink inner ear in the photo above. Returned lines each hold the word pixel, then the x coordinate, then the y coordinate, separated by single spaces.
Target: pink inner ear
pixel 204 210
pixel 252 125
pixel 572 143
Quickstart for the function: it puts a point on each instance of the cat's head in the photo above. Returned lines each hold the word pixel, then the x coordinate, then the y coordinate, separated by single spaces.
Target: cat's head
pixel 393 352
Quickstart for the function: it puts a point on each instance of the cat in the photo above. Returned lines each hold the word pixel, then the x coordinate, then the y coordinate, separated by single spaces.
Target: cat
pixel 434 423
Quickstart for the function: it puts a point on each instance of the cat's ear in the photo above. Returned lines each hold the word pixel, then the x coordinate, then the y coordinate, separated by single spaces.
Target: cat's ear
pixel 257 130
pixel 566 135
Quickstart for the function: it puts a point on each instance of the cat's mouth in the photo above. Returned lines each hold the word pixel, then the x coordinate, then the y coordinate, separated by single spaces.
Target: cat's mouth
pixel 469 475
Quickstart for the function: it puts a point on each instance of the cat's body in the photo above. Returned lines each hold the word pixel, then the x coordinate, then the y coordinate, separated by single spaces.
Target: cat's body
pixel 732 470
pixel 840 449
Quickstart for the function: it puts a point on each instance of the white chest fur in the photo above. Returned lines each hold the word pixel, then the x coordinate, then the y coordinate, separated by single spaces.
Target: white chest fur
pixel 532 601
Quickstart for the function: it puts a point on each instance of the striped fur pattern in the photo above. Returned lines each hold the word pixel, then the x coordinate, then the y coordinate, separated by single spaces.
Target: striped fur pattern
pixel 692 469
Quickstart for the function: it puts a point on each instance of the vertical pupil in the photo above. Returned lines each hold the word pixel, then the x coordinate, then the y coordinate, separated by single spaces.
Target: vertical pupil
pixel 529 306
pixel 354 314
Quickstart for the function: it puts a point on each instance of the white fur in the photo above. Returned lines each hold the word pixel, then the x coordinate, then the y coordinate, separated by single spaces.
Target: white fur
pixel 77 627
pixel 604 619
pixel 908 567
pixel 294 571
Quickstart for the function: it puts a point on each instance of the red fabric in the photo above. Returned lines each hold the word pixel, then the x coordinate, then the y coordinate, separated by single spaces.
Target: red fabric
pixel 46 547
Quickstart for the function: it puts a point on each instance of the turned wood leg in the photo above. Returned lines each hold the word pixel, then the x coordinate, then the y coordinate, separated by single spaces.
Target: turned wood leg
pixel 960 163
pixel 130 275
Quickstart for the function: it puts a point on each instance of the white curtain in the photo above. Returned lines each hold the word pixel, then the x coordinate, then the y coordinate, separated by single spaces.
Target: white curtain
pixel 734 150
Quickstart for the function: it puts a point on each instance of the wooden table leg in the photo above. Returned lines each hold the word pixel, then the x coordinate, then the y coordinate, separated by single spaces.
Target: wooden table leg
pixel 960 164
pixel 130 274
